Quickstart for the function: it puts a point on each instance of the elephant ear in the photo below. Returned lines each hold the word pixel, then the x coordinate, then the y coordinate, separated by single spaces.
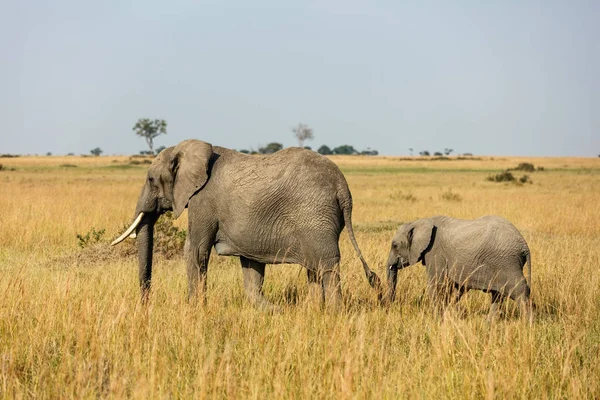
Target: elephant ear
pixel 419 238
pixel 189 163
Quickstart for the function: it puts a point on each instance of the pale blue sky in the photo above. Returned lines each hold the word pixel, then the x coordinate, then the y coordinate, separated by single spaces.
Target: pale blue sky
pixel 494 78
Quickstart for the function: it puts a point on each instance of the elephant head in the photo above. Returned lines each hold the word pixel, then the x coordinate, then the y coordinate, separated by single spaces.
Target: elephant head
pixel 174 176
pixel 408 245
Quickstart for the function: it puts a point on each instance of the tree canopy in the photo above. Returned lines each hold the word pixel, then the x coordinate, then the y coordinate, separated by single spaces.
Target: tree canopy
pixel 303 133
pixel 270 148
pixel 344 149
pixel 150 129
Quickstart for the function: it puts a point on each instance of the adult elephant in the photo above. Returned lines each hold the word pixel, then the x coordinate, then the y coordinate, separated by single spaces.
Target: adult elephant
pixel 288 207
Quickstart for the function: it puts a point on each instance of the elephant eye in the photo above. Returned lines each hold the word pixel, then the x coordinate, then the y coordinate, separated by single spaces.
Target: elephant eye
pixel 151 179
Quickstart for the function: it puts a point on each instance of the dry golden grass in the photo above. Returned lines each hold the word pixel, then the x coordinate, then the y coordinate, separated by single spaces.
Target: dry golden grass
pixel 73 329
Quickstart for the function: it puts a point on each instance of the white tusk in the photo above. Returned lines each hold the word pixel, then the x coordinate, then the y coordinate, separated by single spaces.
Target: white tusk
pixel 129 230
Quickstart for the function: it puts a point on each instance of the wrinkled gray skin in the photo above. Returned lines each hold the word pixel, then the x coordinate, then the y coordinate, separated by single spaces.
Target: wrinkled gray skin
pixel 486 254
pixel 288 207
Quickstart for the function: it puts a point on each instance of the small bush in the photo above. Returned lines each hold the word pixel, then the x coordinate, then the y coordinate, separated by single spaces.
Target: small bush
pixel 135 162
pixel 95 247
pixel 525 179
pixel 539 169
pixel 168 239
pixel 68 166
pixel 90 238
pixel 527 167
pixel 4 168
pixel 451 196
pixel 505 176
pixel 9 155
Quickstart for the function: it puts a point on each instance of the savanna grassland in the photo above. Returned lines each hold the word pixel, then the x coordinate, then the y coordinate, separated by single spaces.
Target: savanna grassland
pixel 72 325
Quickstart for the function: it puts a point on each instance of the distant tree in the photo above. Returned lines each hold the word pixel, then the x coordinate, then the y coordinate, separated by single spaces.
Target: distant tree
pixel 308 147
pixel 471 154
pixel 96 152
pixel 303 133
pixel 448 151
pixel 325 150
pixel 369 152
pixel 245 151
pixel 71 154
pixel 411 150
pixel 437 154
pixel 344 149
pixel 161 148
pixel 150 129
pixel 49 153
pixel 270 148
pixel 146 153
pixel 424 153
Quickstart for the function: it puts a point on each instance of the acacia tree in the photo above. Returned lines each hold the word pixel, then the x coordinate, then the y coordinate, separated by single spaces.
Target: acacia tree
pixel 150 129
pixel 303 132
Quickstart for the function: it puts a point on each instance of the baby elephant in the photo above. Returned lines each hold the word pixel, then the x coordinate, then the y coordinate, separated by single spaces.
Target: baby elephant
pixel 487 254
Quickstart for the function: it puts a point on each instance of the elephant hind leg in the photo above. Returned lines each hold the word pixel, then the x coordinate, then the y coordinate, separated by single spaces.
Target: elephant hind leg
pixel 520 293
pixel 497 300
pixel 326 272
pixel 254 277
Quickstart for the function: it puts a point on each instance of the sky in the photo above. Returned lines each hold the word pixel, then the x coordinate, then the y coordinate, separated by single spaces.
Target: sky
pixel 490 78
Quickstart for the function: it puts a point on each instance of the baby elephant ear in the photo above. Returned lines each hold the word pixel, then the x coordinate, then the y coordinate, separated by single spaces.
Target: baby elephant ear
pixel 419 238
pixel 189 164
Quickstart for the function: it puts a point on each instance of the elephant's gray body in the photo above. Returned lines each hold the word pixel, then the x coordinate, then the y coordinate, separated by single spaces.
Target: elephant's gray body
pixel 485 254
pixel 280 208
pixel 288 207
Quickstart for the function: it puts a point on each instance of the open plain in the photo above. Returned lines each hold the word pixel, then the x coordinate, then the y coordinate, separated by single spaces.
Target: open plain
pixel 72 325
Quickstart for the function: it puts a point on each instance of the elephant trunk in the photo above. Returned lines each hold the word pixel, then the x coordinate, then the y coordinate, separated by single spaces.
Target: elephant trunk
pixel 392 279
pixel 392 276
pixel 145 244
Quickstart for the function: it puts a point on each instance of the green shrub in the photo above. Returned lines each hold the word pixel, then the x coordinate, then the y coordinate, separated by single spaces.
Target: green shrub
pixel 525 179
pixel 527 167
pixel 90 238
pixel 504 176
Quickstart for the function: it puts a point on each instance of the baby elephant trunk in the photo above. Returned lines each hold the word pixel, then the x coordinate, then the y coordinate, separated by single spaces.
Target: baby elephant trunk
pixel 392 279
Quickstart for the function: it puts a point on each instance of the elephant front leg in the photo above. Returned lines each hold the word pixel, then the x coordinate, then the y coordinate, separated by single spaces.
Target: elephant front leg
pixel 197 270
pixel 497 301
pixel 254 277
pixel 442 293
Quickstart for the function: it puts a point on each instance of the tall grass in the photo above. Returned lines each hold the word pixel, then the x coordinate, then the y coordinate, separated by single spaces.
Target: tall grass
pixel 70 328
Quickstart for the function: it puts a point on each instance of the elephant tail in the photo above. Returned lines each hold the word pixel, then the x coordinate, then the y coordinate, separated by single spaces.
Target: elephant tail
pixel 346 206
pixel 528 259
